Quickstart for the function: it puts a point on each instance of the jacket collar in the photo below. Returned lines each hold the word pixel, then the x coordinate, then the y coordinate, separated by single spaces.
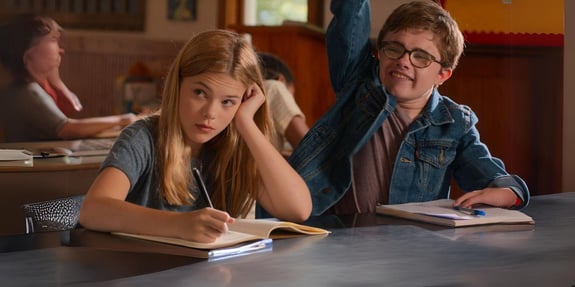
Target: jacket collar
pixel 436 113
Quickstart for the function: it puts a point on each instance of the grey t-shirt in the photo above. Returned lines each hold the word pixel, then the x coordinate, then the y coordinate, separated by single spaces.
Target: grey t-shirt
pixel 30 114
pixel 134 153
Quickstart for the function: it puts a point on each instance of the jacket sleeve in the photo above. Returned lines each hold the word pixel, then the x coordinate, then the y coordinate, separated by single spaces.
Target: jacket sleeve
pixel 517 185
pixel 347 40
pixel 475 167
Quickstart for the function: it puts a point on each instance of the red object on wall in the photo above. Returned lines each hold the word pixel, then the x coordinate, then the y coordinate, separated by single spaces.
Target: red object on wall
pixel 515 39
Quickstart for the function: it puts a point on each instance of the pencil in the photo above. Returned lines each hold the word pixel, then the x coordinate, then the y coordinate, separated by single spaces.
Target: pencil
pixel 202 186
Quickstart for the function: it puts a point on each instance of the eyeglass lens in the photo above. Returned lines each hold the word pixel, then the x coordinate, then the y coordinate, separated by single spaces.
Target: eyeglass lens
pixel 418 58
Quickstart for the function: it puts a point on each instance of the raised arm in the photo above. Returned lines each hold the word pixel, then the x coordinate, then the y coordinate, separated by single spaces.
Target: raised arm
pixel 347 40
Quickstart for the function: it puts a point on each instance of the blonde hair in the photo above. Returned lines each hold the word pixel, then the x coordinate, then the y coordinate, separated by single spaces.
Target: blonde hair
pixel 236 181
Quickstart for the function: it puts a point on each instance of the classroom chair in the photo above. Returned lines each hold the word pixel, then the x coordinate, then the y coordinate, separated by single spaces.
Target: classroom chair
pixel 53 215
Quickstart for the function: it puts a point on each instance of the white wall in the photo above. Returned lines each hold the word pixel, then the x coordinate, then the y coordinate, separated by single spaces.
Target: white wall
pixel 569 99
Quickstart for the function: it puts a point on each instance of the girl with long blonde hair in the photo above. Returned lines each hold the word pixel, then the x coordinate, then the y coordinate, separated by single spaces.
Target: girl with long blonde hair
pixel 213 118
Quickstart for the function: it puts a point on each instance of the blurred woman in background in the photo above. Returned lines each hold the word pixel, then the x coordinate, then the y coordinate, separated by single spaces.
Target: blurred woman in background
pixel 35 104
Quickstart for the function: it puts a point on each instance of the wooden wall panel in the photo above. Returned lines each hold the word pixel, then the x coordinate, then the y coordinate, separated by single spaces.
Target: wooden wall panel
pixel 517 94
pixel 92 68
pixel 303 49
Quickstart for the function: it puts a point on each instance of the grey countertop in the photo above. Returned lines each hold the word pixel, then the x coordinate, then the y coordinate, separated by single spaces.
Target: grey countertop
pixel 362 250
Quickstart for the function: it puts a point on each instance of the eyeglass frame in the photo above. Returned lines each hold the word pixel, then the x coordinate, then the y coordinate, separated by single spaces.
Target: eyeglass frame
pixel 409 52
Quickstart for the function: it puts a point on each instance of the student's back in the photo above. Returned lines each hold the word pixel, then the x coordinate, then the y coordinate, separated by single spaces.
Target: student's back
pixel 289 121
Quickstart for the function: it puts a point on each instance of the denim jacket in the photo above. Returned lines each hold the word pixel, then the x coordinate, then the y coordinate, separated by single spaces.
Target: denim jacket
pixel 441 144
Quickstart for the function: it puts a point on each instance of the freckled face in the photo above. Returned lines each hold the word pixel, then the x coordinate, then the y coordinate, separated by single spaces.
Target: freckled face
pixel 46 55
pixel 208 103
pixel 406 82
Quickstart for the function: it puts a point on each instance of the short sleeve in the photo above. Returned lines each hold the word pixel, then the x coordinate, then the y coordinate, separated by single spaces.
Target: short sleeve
pixel 133 153
pixel 283 107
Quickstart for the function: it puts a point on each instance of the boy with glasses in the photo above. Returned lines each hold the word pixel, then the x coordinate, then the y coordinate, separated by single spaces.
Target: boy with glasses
pixel 391 137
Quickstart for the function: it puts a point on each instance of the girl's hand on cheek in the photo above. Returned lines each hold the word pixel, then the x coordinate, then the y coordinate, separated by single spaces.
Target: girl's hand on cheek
pixel 252 101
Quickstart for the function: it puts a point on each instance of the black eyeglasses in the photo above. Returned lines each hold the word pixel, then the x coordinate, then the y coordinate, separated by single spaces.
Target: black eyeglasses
pixel 418 58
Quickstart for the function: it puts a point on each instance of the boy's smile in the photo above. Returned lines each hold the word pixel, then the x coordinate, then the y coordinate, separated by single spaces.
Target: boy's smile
pixel 411 85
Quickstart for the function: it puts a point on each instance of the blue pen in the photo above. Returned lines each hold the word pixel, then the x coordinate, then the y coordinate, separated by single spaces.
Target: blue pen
pixel 471 211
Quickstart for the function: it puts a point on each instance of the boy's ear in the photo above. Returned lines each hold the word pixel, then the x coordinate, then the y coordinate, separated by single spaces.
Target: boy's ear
pixel 444 75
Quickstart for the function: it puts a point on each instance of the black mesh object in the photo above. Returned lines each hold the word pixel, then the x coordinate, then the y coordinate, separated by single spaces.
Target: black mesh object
pixel 53 215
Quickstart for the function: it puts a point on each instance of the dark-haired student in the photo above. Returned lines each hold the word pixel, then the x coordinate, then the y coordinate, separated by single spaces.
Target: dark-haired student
pixel 289 121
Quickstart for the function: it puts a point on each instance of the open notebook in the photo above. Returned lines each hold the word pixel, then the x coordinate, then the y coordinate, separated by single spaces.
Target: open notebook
pixel 74 148
pixel 441 212
pixel 243 234
pixel 91 147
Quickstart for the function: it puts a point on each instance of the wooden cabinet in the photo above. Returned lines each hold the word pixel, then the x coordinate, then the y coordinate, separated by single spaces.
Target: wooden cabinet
pixel 517 94
pixel 302 47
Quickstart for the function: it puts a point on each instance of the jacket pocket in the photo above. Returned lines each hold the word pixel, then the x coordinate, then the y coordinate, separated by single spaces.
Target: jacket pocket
pixel 437 153
pixel 433 160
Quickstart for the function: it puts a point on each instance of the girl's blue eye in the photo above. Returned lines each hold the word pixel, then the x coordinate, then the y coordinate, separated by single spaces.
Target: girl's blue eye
pixel 228 102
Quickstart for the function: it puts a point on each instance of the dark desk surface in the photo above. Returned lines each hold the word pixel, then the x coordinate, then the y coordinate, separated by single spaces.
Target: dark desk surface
pixel 48 178
pixel 87 154
pixel 367 250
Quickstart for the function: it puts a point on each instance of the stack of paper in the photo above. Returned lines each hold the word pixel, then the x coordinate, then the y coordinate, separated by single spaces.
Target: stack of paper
pixel 16 157
pixel 441 212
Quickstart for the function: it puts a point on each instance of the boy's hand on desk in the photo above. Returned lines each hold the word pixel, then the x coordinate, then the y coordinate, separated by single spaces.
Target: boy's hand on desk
pixel 204 225
pixel 494 196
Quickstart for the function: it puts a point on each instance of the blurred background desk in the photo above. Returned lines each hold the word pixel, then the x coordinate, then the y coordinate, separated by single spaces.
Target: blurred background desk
pixel 48 178
pixel 363 250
